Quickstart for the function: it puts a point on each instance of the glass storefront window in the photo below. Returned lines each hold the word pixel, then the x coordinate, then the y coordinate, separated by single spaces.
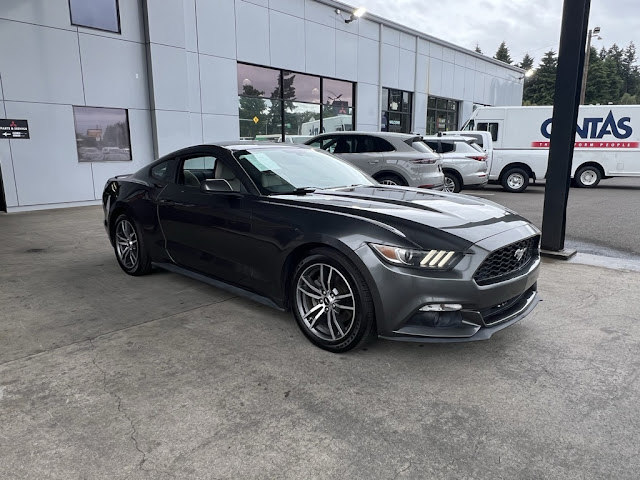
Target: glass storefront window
pixel 396 111
pixel 301 118
pixel 300 87
pixel 260 119
pixel 258 81
pixel 442 115
pixel 310 104
pixel 102 134
pixel 98 14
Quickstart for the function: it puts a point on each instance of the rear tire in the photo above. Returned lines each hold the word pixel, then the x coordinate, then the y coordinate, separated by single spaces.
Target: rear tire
pixel 331 301
pixel 128 243
pixel 587 177
pixel 515 180
pixel 451 183
pixel 390 179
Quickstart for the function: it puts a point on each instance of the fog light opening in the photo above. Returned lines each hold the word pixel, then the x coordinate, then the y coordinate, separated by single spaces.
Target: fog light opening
pixel 441 307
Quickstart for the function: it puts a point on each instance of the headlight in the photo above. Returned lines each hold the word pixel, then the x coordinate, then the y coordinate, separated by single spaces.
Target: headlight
pixel 431 259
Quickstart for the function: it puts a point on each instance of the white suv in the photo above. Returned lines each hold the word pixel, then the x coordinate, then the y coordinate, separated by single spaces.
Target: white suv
pixel 390 158
pixel 464 163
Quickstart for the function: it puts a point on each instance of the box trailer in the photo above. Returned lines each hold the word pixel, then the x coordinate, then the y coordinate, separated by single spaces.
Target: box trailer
pixel 607 143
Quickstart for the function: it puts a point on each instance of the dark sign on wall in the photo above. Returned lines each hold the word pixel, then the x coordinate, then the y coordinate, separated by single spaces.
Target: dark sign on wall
pixel 13 129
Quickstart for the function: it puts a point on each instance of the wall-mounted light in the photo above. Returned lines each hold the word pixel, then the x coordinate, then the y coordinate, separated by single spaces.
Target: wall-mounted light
pixel 356 14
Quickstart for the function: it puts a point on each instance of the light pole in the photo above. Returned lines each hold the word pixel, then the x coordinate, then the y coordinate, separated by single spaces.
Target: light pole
pixel 585 71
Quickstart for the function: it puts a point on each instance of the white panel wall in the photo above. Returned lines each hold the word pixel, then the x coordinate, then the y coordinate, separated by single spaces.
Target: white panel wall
pixel 390 66
pixel 46 166
pixel 346 55
pixel 8 177
pixel 219 88
pixel 252 25
pixel 43 53
pixel 106 86
pixel 367 112
pixel 287 41
pixel 320 50
pixel 217 28
pixel 368 60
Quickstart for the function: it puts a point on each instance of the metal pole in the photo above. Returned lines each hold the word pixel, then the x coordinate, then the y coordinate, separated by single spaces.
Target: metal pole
pixel 571 57
pixel 585 71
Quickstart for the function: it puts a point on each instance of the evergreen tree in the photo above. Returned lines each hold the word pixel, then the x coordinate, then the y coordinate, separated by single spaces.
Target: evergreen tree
pixel 503 54
pixel 596 79
pixel 527 62
pixel 250 107
pixel 628 99
pixel 543 83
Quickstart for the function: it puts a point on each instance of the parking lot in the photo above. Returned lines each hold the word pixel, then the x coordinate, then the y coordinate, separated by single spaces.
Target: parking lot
pixel 106 375
pixel 601 221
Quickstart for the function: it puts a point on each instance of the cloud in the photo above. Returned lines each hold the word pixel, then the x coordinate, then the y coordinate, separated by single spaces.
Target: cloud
pixel 526 26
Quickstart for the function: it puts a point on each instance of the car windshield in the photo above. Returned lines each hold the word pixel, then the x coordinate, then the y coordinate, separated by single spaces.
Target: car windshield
pixel 289 170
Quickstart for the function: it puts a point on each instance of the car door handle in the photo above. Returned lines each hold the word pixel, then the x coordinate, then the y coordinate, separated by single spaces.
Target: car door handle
pixel 373 162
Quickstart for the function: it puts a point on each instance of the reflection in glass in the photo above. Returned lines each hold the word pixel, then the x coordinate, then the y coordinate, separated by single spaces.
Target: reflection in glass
pixel 102 134
pixel 258 81
pixel 301 118
pixel 337 91
pixel 337 118
pixel 260 119
pixel 442 115
pixel 300 87
pixel 99 14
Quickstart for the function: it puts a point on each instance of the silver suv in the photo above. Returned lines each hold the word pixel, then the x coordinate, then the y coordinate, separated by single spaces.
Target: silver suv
pixel 464 163
pixel 390 158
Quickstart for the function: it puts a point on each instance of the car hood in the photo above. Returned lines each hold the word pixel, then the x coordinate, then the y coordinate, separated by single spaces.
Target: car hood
pixel 469 218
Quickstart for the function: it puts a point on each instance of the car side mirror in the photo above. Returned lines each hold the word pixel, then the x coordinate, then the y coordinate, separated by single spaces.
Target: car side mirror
pixel 215 185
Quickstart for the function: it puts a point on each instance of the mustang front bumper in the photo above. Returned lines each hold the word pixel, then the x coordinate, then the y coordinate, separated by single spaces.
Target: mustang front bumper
pixel 478 311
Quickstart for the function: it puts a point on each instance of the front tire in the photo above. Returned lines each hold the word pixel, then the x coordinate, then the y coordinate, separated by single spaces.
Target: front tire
pixel 451 183
pixel 587 177
pixel 129 247
pixel 331 302
pixel 515 180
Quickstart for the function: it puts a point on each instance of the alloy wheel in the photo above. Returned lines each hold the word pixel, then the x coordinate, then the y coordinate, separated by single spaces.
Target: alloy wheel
pixel 388 182
pixel 449 184
pixel 127 244
pixel 325 302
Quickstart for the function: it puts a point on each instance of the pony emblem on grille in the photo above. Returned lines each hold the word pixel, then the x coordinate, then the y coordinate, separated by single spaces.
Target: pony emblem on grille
pixel 519 253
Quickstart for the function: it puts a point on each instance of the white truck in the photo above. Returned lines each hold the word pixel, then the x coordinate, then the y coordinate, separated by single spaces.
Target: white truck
pixel 607 143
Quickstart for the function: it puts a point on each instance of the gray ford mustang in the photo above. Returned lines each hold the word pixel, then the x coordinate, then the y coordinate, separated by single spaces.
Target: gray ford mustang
pixel 302 230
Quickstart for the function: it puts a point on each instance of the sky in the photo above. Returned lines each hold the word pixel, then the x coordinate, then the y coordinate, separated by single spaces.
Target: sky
pixel 526 26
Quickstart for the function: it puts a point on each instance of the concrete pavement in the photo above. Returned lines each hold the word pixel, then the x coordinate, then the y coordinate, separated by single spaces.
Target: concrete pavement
pixel 107 376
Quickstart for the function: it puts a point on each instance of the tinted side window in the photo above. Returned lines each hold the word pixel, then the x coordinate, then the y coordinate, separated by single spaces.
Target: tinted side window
pixel 161 171
pixel 382 145
pixel 447 147
pixel 432 145
pixel 366 144
pixel 344 144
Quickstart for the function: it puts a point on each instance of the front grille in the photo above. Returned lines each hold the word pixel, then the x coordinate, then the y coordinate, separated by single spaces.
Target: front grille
pixel 507 261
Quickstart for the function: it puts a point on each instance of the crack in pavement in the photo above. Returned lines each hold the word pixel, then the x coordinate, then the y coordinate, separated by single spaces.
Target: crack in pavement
pixel 133 435
pixel 165 317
